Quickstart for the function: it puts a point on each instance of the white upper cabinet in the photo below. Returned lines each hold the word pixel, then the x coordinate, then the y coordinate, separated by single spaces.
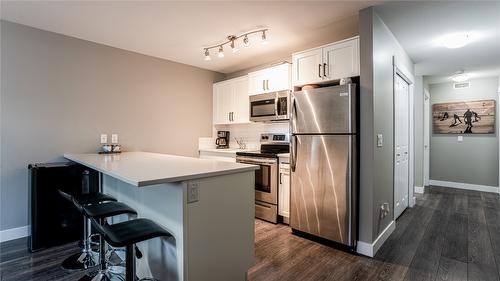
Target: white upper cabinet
pixel 307 67
pixel 342 60
pixel 272 79
pixel 230 101
pixel 327 63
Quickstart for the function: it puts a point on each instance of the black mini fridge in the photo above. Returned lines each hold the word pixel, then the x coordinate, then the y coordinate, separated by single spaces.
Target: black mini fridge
pixel 53 219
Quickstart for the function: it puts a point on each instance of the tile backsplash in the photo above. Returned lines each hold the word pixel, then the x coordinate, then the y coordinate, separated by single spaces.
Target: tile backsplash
pixel 249 132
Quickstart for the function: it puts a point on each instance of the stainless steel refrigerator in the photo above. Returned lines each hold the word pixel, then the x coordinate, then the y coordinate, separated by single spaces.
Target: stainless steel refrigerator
pixel 323 163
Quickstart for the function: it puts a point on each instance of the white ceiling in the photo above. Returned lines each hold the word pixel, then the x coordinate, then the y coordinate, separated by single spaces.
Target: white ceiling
pixel 178 30
pixel 418 25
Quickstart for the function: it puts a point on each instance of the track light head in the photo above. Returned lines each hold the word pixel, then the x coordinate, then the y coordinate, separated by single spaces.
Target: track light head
pixel 221 52
pixel 264 38
pixel 207 55
pixel 246 43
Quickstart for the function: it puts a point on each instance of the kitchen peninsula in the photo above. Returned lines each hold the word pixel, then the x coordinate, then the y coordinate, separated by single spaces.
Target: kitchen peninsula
pixel 207 205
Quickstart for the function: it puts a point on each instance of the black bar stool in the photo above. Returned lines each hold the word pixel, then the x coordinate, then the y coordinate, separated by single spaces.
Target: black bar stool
pixel 127 234
pixel 100 212
pixel 84 259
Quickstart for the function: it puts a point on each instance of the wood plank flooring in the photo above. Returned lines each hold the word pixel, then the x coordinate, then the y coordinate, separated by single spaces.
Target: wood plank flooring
pixel 449 235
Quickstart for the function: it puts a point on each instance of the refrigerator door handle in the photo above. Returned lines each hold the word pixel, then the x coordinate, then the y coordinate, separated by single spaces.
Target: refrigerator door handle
pixel 293 155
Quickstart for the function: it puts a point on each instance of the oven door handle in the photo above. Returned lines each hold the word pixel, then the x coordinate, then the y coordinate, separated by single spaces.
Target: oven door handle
pixel 257 163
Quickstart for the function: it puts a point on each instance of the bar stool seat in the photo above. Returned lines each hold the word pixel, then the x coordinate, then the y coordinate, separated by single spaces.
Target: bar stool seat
pixel 130 232
pixel 108 209
pixel 92 198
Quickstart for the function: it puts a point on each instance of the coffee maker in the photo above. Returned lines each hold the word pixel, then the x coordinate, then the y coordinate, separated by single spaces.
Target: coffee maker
pixel 222 140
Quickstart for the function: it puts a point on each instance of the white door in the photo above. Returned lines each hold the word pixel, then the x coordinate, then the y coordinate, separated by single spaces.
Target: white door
pixel 257 82
pixel 308 67
pixel 401 145
pixel 342 60
pixel 427 100
pixel 278 78
pixel 222 102
pixel 241 107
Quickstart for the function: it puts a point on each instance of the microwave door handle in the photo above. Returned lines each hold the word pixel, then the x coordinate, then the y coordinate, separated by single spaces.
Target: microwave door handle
pixel 276 113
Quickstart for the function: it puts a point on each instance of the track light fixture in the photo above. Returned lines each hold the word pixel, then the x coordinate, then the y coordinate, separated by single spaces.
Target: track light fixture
pixel 231 40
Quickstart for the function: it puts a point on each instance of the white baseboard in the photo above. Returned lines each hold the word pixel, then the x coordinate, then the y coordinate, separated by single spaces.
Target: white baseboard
pixel 14 233
pixel 370 250
pixel 419 189
pixel 468 186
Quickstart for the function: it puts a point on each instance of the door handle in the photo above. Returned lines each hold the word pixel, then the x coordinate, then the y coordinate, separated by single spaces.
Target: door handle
pixel 232 116
pixel 267 84
pixel 324 69
pixel 263 85
pixel 229 116
pixel 319 70
pixel 281 175
pixel 293 155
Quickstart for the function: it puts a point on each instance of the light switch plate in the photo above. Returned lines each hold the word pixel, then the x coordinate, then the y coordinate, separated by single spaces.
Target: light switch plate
pixel 380 140
pixel 460 138
pixel 114 138
pixel 104 138
pixel 193 191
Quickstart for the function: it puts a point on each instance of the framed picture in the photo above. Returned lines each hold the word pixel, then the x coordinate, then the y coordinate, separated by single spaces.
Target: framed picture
pixel 467 117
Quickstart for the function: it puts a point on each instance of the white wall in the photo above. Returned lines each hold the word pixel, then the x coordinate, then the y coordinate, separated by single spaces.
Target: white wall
pixel 59 93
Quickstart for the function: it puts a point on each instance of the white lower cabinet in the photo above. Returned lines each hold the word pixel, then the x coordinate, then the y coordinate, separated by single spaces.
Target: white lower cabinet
pixel 284 190
pixel 231 102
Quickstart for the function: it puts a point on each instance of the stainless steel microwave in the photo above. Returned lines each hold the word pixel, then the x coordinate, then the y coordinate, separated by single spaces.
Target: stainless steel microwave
pixel 270 107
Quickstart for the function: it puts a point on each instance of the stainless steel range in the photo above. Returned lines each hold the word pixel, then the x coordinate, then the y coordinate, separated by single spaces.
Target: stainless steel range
pixel 266 178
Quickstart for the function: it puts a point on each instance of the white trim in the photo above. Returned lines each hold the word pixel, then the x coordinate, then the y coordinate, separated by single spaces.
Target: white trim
pixel 371 249
pixel 14 233
pixel 468 186
pixel 419 189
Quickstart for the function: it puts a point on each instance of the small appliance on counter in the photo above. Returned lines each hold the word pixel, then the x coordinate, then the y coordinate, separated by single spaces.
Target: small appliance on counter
pixel 222 140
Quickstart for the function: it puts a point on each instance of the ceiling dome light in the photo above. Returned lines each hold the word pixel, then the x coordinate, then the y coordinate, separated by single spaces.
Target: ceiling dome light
pixel 264 39
pixel 207 55
pixel 455 40
pixel 246 43
pixel 460 76
pixel 221 52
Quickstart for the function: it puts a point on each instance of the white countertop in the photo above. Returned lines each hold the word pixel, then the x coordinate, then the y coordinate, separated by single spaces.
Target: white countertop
pixel 145 168
pixel 284 155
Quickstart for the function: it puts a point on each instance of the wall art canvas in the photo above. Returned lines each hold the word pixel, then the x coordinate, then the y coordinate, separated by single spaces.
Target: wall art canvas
pixel 467 117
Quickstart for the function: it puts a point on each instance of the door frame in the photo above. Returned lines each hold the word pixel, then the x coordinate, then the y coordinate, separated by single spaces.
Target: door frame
pixel 400 70
pixel 427 136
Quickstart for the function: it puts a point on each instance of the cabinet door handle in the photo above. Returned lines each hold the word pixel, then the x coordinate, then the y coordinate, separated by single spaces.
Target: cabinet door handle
pixel 267 84
pixel 319 70
pixel 281 175
pixel 232 116
pixel 324 69
pixel 263 85
pixel 229 116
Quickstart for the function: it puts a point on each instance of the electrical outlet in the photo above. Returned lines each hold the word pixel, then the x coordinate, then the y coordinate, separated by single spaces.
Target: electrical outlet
pixel 380 140
pixel 384 210
pixel 114 138
pixel 460 138
pixel 104 138
pixel 193 192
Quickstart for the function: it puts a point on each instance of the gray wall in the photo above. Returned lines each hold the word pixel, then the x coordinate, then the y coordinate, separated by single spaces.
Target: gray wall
pixel 378 46
pixel 475 160
pixel 59 93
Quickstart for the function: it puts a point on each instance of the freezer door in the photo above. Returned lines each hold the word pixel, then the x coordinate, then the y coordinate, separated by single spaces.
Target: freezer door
pixel 321 195
pixel 329 110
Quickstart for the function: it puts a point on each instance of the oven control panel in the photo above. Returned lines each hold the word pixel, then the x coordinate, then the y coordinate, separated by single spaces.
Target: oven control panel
pixel 274 138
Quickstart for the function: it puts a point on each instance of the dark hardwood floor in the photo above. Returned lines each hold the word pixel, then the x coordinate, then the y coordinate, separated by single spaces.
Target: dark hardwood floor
pixel 449 235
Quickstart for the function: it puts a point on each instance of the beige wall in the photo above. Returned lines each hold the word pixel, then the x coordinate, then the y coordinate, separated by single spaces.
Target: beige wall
pixel 59 93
